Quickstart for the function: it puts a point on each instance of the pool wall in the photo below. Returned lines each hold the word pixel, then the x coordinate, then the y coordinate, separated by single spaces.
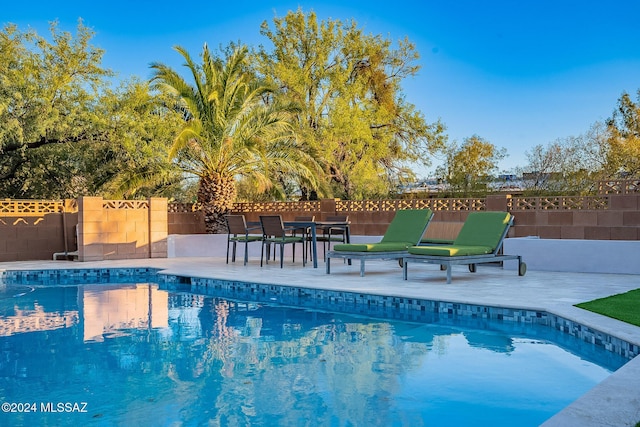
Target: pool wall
pixel 575 255
pixel 401 308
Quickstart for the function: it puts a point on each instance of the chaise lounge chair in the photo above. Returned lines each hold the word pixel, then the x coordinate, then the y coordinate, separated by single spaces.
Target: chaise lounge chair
pixel 479 241
pixel 404 231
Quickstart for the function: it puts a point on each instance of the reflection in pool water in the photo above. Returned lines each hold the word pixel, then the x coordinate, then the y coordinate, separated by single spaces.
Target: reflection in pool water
pixel 139 355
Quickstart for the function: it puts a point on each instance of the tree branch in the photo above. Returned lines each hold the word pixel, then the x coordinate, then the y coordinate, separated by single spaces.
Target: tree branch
pixel 15 146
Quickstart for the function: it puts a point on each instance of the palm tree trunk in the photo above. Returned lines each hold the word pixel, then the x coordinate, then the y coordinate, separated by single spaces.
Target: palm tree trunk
pixel 216 194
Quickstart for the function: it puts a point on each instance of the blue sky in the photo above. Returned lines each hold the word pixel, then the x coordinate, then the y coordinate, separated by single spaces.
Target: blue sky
pixel 516 73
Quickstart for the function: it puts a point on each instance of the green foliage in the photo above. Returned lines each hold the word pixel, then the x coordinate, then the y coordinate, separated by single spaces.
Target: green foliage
pixel 63 131
pixel 229 128
pixel 469 166
pixel 234 128
pixel 141 129
pixel 47 97
pixel 353 118
pixel 623 156
pixel 573 165
pixel 322 111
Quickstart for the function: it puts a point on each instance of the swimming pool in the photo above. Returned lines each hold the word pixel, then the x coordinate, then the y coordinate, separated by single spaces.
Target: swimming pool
pixel 180 353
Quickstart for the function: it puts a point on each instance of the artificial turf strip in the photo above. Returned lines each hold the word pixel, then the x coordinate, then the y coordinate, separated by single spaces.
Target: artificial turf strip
pixel 625 307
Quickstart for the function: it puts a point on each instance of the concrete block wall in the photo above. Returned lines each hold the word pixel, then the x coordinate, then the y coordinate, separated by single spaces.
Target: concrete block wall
pixel 121 230
pixel 106 229
pixel 621 221
pixel 186 222
pixel 32 230
pixel 158 228
pixel 36 231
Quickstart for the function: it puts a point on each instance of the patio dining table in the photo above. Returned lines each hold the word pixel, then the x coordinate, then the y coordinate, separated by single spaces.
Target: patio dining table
pixel 313 226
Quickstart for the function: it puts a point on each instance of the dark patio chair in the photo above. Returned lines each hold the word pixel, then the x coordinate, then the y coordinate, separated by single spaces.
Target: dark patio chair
pixel 305 232
pixel 332 234
pixel 238 232
pixel 273 232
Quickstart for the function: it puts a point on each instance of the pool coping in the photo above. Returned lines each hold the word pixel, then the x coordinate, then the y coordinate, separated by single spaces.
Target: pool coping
pixel 612 402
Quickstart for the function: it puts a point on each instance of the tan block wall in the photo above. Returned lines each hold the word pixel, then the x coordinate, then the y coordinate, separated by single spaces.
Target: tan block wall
pixel 186 223
pixel 34 236
pixel 443 230
pixel 158 227
pixel 91 230
pixel 619 221
pixel 130 231
pixel 35 230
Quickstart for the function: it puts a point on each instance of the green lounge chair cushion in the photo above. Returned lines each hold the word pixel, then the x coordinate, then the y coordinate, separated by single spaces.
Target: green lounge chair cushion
pixel 286 239
pixel 480 235
pixel 245 238
pixel 408 225
pixel 483 229
pixel 450 250
pixel 373 247
pixel 405 230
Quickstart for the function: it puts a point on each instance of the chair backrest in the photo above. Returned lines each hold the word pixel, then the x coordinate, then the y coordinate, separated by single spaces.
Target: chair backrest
pixel 335 230
pixel 408 225
pixel 272 225
pixel 236 224
pixel 337 218
pixel 484 229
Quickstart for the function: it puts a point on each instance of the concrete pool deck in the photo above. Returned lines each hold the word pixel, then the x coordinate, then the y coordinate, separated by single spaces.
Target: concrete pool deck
pixel 613 402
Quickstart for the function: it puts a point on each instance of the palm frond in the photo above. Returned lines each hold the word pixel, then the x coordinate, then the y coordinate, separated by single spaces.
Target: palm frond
pixel 236 127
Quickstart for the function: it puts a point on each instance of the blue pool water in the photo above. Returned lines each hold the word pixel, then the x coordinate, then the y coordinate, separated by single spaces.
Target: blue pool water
pixel 140 354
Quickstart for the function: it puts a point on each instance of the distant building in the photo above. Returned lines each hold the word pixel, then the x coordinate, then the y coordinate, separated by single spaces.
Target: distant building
pixel 508 178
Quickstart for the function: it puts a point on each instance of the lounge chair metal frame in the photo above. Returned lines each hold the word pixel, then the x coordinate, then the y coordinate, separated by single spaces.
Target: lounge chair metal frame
pixel 362 256
pixel 470 260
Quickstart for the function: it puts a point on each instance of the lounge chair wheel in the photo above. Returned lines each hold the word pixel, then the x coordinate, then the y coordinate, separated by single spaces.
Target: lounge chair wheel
pixel 522 269
pixel 400 262
pixel 472 268
pixel 443 267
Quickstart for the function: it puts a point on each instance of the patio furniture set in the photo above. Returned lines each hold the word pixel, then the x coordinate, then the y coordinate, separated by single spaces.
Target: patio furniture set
pixel 479 241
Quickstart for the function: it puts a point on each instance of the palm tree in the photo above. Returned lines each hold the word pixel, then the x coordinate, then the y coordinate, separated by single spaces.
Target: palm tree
pixel 234 128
